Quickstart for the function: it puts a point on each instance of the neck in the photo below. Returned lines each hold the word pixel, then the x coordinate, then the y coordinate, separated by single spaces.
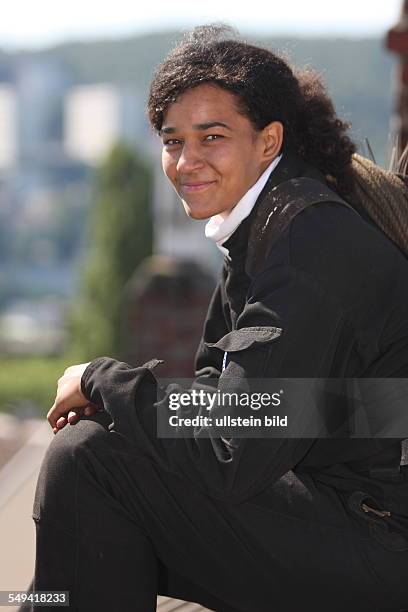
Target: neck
pixel 220 227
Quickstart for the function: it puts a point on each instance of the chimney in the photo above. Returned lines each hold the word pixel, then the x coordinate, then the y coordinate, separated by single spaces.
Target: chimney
pixel 397 42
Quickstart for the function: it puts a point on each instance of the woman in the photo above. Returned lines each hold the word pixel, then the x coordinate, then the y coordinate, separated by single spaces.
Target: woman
pixel 310 289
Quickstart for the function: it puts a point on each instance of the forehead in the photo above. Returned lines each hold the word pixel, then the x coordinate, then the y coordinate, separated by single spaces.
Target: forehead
pixel 202 104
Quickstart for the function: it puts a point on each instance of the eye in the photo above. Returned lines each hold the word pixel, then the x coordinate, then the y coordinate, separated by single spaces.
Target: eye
pixel 212 137
pixel 171 141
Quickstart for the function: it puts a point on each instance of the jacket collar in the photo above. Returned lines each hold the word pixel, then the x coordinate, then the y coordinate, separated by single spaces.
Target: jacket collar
pixel 290 166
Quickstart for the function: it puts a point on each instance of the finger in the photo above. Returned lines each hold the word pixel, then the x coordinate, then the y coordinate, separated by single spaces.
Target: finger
pixel 61 422
pixel 52 415
pixel 90 410
pixel 73 416
pixel 59 409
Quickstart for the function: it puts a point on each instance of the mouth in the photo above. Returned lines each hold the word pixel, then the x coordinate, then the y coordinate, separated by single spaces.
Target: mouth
pixel 197 186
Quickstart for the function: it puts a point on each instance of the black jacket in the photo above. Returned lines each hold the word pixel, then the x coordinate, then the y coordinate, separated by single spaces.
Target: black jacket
pixel 329 301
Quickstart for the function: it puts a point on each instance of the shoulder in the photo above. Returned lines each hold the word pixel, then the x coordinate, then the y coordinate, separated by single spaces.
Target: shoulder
pixel 343 251
pixel 338 229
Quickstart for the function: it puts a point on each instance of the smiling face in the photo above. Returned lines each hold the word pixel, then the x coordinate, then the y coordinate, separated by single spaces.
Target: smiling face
pixel 211 153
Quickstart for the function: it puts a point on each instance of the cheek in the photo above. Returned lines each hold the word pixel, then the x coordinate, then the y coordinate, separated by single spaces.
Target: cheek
pixel 231 168
pixel 221 162
pixel 229 159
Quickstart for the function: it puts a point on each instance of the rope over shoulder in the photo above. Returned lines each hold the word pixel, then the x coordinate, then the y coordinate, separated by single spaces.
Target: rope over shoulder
pixel 384 195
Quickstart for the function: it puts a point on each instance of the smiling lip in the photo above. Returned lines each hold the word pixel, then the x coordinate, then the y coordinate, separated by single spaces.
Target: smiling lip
pixel 188 187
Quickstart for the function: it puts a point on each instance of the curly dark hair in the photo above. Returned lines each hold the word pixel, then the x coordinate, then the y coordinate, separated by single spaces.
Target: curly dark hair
pixel 266 88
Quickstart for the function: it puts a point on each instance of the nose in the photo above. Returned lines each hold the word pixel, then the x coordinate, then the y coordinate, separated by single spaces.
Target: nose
pixel 190 159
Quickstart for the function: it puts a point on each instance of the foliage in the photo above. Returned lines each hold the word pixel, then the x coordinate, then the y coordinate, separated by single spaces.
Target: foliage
pixel 120 237
pixel 28 385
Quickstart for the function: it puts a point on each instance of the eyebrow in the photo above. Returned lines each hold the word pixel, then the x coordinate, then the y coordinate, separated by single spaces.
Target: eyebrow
pixel 198 126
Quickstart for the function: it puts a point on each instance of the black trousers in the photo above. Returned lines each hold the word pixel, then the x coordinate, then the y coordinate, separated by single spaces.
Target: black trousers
pixel 115 531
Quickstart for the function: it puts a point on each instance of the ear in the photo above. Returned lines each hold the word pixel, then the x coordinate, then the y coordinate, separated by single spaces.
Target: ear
pixel 272 137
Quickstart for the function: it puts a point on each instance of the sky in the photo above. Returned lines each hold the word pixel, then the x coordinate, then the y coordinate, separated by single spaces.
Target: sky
pixel 44 22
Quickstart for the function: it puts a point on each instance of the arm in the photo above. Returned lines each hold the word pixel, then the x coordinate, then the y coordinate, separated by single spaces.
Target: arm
pixel 281 298
pixel 70 403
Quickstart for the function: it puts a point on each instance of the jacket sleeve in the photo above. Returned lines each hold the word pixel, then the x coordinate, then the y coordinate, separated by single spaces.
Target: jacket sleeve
pixel 288 328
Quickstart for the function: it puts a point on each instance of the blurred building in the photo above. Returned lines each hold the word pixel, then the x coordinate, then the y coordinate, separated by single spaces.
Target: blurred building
pixel 41 85
pixel 97 116
pixel 8 126
pixel 44 195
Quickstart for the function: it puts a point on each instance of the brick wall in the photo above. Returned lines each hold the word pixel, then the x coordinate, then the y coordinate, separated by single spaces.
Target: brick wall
pixel 166 304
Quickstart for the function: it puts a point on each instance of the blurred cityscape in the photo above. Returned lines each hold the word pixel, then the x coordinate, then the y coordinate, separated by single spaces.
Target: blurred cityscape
pixel 62 110
pixel 53 133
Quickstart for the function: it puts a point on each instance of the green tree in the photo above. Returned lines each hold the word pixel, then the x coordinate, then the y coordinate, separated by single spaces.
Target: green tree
pixel 120 237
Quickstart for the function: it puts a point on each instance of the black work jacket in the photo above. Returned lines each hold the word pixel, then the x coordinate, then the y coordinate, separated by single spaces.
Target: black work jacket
pixel 337 289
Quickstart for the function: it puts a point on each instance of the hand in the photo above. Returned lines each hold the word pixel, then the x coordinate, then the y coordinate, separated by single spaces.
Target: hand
pixel 70 403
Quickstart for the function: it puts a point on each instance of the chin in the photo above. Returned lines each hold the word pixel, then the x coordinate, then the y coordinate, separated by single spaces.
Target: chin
pixel 197 213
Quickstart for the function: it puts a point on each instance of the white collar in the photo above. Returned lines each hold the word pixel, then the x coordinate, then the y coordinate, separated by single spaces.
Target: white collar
pixel 219 229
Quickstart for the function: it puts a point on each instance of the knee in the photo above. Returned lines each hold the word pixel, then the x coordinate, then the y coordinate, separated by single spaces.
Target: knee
pixel 56 484
pixel 73 439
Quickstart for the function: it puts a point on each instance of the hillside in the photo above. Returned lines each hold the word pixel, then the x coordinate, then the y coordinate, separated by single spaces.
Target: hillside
pixel 358 73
